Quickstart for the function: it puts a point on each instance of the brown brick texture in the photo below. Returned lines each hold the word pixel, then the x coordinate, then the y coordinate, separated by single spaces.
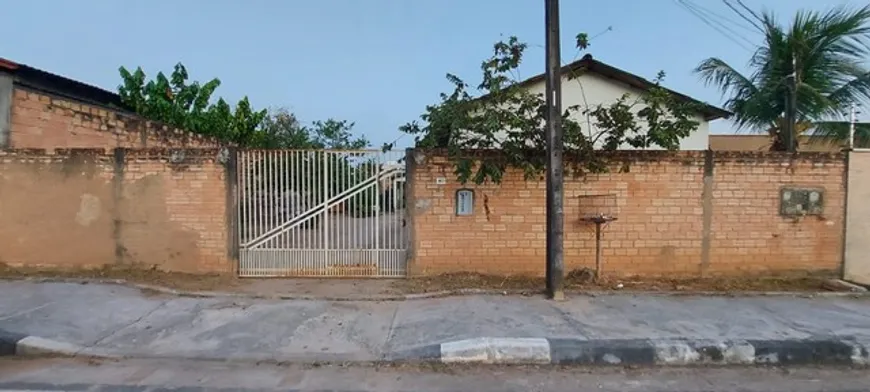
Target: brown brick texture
pixel 45 121
pixel 82 208
pixel 657 198
pixel 749 235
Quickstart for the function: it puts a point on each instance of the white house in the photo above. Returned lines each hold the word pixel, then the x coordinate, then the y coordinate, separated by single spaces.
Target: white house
pixel 589 82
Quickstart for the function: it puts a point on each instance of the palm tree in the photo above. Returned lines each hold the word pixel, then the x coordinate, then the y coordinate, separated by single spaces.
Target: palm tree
pixel 826 51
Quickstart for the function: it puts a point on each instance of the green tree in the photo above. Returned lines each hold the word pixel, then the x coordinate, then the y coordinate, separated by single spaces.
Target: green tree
pixel 825 51
pixel 505 127
pixel 282 129
pixel 187 105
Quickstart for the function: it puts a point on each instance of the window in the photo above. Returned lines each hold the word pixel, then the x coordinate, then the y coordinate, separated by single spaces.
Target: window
pixel 464 202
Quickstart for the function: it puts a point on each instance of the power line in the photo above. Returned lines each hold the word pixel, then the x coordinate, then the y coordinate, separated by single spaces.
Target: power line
pixel 751 12
pixel 737 11
pixel 708 14
pixel 728 20
pixel 729 34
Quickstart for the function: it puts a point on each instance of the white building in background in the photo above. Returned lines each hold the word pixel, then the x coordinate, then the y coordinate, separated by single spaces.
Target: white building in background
pixel 589 83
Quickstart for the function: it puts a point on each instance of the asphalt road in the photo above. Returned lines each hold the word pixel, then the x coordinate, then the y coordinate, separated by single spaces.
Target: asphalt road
pixel 164 375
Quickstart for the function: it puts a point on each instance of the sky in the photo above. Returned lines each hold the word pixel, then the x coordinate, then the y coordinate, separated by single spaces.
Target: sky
pixel 377 63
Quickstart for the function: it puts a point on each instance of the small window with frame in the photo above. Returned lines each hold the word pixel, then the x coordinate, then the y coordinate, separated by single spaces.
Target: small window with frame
pixel 464 202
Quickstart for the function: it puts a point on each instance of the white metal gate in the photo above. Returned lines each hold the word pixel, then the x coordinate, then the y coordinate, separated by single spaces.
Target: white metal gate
pixel 321 213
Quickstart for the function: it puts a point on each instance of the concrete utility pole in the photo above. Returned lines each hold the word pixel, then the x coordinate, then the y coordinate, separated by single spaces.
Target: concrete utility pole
pixel 555 213
pixel 788 136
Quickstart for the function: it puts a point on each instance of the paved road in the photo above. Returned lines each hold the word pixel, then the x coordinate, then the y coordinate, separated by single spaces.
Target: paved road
pixel 125 321
pixel 151 375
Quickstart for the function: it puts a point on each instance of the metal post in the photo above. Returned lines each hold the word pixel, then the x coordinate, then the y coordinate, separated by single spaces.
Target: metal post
pixel 852 119
pixel 597 250
pixel 791 109
pixel 555 218
pixel 377 211
pixel 325 197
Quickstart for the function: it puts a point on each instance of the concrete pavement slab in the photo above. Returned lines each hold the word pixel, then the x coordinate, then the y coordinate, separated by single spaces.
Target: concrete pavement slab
pixel 79 314
pixel 266 330
pixel 123 322
pixel 620 317
pixel 449 319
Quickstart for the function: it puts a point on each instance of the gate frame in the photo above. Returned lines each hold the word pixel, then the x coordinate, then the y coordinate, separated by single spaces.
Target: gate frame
pixel 235 198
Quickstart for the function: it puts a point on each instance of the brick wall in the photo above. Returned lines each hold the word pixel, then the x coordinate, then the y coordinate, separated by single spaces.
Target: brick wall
pixel 89 208
pixel 45 121
pixel 673 219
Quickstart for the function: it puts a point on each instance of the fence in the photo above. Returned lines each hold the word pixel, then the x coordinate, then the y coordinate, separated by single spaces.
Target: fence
pixel 679 213
pixel 321 213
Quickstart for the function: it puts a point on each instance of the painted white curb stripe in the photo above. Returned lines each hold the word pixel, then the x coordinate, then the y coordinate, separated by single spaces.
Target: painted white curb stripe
pixel 33 345
pixel 497 350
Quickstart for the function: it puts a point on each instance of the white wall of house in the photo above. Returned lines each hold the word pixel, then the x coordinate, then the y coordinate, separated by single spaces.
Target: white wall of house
pixel 591 89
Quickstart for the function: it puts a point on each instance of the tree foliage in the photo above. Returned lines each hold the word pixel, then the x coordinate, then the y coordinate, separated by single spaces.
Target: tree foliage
pixel 509 119
pixel 187 105
pixel 825 51
pixel 282 129
pixel 178 102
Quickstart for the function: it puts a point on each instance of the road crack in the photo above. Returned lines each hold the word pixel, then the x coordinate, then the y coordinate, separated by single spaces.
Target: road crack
pixel 134 322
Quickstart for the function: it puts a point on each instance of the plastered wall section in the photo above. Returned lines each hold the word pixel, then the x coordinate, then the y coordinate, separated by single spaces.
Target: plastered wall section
pixel 56 210
pixel 87 208
pixel 45 121
pixel 857 252
pixel 678 213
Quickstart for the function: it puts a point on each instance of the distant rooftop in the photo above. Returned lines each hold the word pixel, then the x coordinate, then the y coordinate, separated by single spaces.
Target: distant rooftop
pixel 587 63
pixel 51 83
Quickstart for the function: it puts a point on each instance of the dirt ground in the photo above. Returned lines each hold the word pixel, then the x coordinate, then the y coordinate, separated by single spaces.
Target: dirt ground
pixel 174 280
pixel 361 288
pixel 584 282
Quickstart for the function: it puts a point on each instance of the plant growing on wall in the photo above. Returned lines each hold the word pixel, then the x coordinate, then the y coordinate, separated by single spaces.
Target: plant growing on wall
pixel 178 102
pixel 187 105
pixel 504 125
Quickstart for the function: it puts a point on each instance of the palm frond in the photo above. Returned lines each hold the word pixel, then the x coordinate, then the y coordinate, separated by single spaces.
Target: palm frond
pixel 856 91
pixel 837 132
pixel 729 80
pixel 741 91
pixel 825 52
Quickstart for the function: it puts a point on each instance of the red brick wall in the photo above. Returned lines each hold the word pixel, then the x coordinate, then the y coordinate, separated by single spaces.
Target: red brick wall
pixel 45 121
pixel 82 208
pixel 660 229
pixel 748 234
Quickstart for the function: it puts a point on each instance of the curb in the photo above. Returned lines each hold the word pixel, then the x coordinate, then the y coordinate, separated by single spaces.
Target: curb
pixel 443 293
pixel 658 352
pixel 542 351
pixel 16 344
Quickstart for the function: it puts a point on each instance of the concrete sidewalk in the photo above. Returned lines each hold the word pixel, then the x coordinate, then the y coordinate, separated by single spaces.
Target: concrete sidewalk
pixel 110 320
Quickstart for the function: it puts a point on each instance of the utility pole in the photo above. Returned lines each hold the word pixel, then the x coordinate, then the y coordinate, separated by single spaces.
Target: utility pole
pixel 555 211
pixel 852 118
pixel 788 136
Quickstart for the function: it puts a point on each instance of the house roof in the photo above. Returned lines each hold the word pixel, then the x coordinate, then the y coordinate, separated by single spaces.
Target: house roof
pixel 588 64
pixel 48 82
